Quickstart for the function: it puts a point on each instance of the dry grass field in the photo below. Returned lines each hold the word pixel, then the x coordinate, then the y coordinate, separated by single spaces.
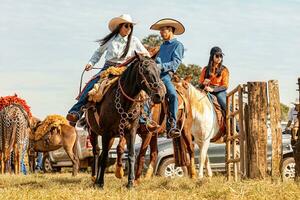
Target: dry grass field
pixel 63 186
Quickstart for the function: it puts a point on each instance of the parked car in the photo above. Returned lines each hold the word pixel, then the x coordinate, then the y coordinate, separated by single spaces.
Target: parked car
pixel 165 165
pixel 55 160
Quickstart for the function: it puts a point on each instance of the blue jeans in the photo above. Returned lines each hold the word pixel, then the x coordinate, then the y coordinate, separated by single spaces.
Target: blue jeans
pixel 221 97
pixel 173 102
pixel 39 161
pixel 76 109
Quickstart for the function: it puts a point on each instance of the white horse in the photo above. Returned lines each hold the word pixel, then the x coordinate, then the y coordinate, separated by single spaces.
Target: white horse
pixel 205 125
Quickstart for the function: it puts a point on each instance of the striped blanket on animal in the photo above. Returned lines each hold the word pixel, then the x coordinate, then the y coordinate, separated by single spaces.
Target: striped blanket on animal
pixel 50 122
pixel 107 79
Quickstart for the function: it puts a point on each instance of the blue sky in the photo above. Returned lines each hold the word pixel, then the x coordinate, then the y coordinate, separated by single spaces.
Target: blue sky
pixel 45 44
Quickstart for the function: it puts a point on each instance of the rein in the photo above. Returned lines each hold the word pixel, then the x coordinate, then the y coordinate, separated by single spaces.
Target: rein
pixel 128 97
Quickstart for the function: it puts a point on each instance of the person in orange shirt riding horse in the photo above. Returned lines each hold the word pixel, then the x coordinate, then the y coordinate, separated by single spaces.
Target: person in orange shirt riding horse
pixel 214 77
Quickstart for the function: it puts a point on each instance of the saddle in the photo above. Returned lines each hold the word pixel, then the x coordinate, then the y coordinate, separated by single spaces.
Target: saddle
pixel 50 122
pixel 107 79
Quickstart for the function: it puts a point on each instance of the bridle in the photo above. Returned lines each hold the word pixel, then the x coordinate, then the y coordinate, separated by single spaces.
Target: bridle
pixel 133 113
pixel 152 86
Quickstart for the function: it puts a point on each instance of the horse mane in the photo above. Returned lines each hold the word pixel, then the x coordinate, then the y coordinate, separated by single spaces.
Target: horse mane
pixel 198 99
pixel 128 75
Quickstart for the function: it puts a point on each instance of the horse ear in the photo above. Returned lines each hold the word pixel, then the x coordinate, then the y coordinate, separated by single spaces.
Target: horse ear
pixel 139 56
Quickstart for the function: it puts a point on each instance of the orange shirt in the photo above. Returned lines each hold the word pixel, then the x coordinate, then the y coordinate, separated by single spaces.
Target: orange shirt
pixel 222 80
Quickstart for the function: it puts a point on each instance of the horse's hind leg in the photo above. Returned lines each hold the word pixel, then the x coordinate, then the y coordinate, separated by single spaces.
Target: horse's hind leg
pixel 146 137
pixel 119 172
pixel 72 153
pixel 203 147
pixel 17 159
pixel 1 162
pixel 190 148
pixel 207 166
pixel 153 156
pixel 94 142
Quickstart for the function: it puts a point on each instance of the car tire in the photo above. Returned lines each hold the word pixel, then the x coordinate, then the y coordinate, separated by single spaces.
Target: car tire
pixel 288 169
pixel 47 165
pixel 167 169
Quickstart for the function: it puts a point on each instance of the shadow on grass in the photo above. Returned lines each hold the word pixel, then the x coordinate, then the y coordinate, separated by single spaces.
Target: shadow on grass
pixel 66 181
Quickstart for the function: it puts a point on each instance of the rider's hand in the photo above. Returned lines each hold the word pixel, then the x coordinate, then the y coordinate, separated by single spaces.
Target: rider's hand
pixel 206 81
pixel 208 89
pixel 88 67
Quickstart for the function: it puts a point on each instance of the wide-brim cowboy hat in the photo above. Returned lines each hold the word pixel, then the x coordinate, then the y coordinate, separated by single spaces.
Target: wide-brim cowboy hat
pixel 178 26
pixel 116 21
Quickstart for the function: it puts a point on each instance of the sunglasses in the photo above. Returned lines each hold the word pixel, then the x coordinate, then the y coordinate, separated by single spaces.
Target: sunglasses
pixel 128 25
pixel 218 55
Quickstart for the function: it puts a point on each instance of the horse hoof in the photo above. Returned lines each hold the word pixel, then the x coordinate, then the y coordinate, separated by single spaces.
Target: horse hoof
pixel 130 185
pixel 99 186
pixel 119 173
pixel 93 179
pixel 149 173
pixel 137 182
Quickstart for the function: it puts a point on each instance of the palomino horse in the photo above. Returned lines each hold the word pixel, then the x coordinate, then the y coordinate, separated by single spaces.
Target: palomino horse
pixel 65 136
pixel 159 117
pixel 14 127
pixel 119 110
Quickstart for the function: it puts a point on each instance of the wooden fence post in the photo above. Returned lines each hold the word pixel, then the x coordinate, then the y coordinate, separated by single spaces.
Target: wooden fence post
pixel 257 149
pixel 274 110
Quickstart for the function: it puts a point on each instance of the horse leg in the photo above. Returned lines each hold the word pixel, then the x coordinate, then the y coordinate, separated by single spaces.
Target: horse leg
pixel 190 147
pixel 130 139
pixel 1 161
pixel 102 161
pixel 17 159
pixel 203 147
pixel 207 166
pixel 70 145
pixel 119 172
pixel 146 137
pixel 153 156
pixel 94 142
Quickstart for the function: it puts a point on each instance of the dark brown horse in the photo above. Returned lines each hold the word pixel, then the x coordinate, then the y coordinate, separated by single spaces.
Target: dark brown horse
pixel 120 107
pixel 150 137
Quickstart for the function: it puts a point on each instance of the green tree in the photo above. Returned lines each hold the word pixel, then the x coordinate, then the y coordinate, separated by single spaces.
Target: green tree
pixel 284 110
pixel 152 40
pixel 191 70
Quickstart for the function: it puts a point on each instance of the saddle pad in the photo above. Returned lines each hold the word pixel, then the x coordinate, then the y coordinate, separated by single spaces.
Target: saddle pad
pixel 51 121
pixel 105 82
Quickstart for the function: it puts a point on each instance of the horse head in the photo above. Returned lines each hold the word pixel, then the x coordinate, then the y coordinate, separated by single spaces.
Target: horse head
pixel 149 79
pixel 34 124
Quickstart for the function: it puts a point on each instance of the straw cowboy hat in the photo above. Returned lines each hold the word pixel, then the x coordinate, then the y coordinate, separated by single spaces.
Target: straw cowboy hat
pixel 179 28
pixel 116 21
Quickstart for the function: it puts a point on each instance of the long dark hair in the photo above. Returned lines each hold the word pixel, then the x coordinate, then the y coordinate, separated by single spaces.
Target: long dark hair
pixel 209 67
pixel 113 34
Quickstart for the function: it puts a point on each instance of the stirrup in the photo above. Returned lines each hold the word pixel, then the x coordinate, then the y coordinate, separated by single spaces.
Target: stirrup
pixel 174 133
